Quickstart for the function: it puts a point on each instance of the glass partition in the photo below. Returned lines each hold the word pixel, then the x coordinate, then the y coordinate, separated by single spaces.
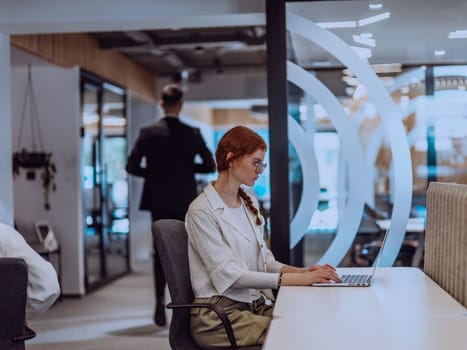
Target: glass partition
pixel 104 180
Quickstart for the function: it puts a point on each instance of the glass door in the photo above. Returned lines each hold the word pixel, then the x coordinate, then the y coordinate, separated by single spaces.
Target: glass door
pixel 104 181
pixel 114 144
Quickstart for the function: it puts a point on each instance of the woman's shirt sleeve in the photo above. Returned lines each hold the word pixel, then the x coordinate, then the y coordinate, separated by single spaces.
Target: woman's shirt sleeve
pixel 216 257
pixel 257 280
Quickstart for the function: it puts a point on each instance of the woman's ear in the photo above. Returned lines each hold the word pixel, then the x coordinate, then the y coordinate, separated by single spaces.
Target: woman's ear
pixel 228 157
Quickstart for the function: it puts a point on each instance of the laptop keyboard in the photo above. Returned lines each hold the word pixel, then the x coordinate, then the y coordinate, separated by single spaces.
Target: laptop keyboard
pixel 356 279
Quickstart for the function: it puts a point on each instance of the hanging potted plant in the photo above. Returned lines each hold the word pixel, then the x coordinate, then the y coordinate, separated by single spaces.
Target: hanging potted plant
pixel 35 158
pixel 28 159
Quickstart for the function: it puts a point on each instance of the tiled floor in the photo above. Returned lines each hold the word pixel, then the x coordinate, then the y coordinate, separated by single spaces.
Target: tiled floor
pixel 119 316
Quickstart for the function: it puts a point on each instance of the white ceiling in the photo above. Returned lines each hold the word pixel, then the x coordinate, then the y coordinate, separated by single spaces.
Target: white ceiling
pixel 409 36
pixel 414 30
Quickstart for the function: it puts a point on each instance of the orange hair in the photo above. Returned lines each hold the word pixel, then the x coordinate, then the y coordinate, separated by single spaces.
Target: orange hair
pixel 239 141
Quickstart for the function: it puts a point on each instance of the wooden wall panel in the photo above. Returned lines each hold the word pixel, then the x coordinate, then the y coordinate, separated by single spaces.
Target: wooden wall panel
pixel 224 117
pixel 68 50
pixel 203 113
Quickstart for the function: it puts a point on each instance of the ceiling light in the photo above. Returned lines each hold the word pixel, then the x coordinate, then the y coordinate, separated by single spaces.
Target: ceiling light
pixel 173 60
pixel 458 34
pixel 373 19
pixel 236 45
pixel 366 35
pixel 113 88
pixel 365 41
pixel 138 36
pixel 184 74
pixel 439 52
pixel 320 63
pixel 342 24
pixel 375 6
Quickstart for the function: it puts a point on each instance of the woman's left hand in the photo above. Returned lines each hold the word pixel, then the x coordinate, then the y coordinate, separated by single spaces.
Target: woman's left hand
pixel 320 267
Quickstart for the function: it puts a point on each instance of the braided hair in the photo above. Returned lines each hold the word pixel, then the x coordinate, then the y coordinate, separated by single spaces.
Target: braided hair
pixel 239 141
pixel 249 204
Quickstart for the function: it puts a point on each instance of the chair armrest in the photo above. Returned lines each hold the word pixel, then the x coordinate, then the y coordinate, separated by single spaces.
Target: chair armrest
pixel 28 334
pixel 220 313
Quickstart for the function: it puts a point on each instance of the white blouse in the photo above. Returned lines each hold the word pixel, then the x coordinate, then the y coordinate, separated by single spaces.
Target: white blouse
pixel 220 252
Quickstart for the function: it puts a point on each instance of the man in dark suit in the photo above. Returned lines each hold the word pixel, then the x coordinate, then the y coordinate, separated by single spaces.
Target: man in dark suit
pixel 169 148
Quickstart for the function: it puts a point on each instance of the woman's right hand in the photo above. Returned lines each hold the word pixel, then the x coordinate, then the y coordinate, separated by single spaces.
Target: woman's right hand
pixel 310 277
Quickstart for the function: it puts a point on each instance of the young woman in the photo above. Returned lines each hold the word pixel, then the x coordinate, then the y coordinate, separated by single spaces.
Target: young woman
pixel 230 264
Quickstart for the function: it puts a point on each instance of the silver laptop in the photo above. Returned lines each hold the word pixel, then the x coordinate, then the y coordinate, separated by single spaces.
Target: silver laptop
pixel 357 280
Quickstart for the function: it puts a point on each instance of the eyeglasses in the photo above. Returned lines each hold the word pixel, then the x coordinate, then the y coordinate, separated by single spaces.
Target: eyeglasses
pixel 259 165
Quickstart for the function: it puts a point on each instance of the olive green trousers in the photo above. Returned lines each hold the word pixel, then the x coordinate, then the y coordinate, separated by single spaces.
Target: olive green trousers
pixel 250 322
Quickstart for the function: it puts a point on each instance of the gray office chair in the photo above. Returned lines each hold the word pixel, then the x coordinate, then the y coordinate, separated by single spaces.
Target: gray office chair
pixel 171 240
pixel 13 293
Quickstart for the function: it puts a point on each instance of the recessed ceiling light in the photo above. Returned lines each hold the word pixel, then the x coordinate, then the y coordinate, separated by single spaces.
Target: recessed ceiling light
pixel 365 41
pixel 458 34
pixel 439 52
pixel 184 74
pixel 236 45
pixel 341 24
pixel 321 63
pixel 375 6
pixel 373 19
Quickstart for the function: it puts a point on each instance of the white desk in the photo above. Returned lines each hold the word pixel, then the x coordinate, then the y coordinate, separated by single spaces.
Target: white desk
pixel 413 225
pixel 403 309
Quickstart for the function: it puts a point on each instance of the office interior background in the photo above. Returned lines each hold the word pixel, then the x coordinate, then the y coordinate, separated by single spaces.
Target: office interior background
pixel 96 69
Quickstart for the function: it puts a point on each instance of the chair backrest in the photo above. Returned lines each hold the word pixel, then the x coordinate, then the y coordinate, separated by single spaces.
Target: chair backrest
pixel 446 238
pixel 171 242
pixel 13 294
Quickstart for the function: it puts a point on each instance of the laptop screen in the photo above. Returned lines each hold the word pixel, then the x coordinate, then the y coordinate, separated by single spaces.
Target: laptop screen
pixel 378 257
